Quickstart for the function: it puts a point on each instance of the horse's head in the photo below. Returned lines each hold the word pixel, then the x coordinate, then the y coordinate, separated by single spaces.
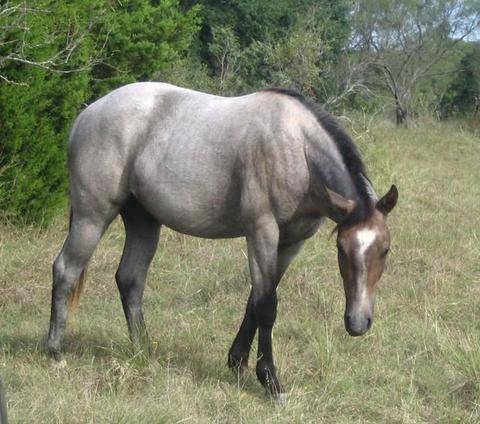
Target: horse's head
pixel 362 251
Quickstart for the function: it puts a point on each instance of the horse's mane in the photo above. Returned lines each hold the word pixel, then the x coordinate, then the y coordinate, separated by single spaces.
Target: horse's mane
pixel 348 151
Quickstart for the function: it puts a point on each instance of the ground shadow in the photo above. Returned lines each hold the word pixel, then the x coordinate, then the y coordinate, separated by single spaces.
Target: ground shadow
pixel 193 358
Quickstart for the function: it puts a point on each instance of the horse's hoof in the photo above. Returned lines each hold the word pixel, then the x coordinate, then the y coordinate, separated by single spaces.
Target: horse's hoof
pixel 60 365
pixel 56 355
pixel 281 399
pixel 53 352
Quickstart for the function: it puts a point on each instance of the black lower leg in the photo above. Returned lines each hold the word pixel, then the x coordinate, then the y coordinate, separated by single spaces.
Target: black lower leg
pixel 265 312
pixel 63 284
pixel 241 346
pixel 58 318
pixel 136 324
pixel 131 294
pixel 240 350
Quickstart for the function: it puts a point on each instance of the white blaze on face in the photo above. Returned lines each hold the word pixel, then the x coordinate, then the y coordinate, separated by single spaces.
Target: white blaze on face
pixel 365 238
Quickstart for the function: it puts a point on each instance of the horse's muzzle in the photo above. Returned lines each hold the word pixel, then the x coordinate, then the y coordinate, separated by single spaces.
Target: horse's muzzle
pixel 357 324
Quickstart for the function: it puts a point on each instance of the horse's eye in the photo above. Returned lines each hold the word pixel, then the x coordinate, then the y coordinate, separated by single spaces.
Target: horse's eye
pixel 340 250
pixel 385 252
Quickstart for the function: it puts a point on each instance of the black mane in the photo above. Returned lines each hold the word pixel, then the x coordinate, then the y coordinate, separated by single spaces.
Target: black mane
pixel 348 150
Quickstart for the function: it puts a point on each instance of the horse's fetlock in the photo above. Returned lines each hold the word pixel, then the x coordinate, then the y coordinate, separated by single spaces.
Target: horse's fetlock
pixel 52 348
pixel 264 369
pixel 266 374
pixel 237 359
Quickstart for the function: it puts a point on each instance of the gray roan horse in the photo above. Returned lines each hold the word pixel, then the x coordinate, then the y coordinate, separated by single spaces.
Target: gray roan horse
pixel 269 166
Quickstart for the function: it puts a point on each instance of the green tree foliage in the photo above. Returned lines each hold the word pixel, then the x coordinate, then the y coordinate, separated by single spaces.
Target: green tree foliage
pixel 141 38
pixel 38 106
pixel 404 44
pixel 463 94
pixel 245 45
pixel 55 57
pixel 293 43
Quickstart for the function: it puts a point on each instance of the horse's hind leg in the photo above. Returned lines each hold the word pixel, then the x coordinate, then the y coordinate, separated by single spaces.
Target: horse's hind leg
pixel 142 234
pixel 84 234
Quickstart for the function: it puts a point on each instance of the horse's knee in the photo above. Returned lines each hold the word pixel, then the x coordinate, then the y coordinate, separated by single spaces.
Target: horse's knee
pixel 125 281
pixel 265 310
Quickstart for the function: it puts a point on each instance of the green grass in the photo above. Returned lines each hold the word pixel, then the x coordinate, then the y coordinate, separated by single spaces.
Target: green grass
pixel 419 363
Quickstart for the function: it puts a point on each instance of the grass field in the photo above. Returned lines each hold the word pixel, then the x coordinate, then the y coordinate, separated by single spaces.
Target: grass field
pixel 419 363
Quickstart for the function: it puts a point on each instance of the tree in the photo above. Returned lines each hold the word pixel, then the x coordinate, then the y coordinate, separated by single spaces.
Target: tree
pixel 248 44
pixel 301 59
pixel 45 54
pixel 32 34
pixel 463 94
pixel 55 57
pixel 142 38
pixel 403 42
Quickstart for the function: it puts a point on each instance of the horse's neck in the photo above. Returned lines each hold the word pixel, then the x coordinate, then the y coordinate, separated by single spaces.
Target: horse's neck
pixel 327 169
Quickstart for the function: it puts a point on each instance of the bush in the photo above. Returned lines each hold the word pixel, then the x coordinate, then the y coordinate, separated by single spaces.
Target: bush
pixel 133 39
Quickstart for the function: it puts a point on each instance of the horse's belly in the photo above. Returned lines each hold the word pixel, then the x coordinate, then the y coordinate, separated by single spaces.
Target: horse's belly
pixel 192 217
pixel 191 203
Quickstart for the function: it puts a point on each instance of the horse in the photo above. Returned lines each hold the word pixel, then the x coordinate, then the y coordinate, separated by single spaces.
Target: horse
pixel 269 166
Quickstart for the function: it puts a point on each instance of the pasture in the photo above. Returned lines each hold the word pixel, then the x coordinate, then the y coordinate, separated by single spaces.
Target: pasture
pixel 420 362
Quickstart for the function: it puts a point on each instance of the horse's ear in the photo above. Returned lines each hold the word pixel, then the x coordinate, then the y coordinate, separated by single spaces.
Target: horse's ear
pixel 342 207
pixel 388 202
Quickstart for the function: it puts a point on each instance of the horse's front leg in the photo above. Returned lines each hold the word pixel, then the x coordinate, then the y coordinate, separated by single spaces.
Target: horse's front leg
pixel 240 350
pixel 262 242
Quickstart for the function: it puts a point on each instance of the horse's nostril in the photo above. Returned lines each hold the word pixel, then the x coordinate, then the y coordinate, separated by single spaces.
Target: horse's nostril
pixel 369 322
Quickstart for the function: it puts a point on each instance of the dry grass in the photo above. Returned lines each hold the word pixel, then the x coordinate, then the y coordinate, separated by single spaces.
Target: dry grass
pixel 419 363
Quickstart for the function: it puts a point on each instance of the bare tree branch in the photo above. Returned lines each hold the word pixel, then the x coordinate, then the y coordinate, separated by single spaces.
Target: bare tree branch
pixel 15 39
pixel 406 42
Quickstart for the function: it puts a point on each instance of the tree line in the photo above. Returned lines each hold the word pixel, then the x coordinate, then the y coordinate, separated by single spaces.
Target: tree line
pixel 402 57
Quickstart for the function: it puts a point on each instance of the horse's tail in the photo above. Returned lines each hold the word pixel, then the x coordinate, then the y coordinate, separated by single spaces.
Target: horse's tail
pixel 74 297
